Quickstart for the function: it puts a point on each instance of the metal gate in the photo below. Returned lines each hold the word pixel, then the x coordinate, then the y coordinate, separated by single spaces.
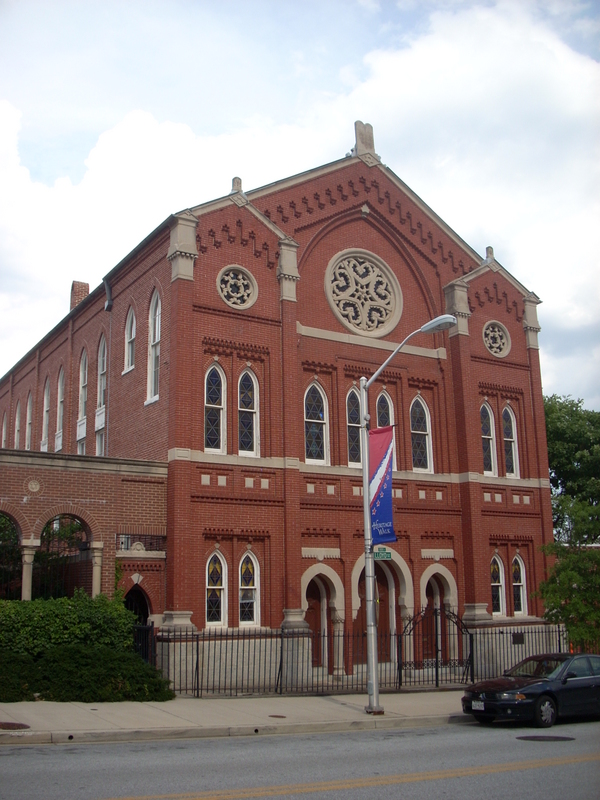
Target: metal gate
pixel 435 648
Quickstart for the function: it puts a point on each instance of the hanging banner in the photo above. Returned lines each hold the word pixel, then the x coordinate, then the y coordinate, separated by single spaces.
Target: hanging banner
pixel 381 449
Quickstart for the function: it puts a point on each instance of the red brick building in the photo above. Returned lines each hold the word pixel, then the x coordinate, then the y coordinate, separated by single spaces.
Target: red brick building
pixel 198 412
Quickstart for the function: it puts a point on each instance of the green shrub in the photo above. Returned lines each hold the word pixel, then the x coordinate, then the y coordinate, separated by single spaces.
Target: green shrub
pixel 34 627
pixel 16 674
pixel 97 675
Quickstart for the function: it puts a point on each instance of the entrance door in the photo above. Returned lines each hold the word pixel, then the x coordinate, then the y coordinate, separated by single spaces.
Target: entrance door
pixel 317 617
pixel 135 600
pixel 382 618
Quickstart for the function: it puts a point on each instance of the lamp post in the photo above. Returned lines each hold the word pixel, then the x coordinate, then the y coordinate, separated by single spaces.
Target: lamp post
pixel 440 323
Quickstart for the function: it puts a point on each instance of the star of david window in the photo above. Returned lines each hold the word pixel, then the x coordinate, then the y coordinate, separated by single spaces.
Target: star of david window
pixel 496 338
pixel 363 293
pixel 237 287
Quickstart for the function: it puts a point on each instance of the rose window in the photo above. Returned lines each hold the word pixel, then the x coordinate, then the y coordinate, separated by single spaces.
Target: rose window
pixel 496 339
pixel 363 293
pixel 237 287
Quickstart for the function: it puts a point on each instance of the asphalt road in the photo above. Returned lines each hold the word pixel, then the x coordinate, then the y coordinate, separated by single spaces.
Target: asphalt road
pixel 453 761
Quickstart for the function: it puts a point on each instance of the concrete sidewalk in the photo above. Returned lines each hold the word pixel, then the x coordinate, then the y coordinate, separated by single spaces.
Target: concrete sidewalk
pixel 190 718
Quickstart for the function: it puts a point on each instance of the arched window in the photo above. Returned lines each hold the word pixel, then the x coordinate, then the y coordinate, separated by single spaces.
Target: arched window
pixel 4 430
pixel 497 583
pixel 215 438
pixel 316 435
pixel 45 416
pixel 353 426
pixel 518 584
pixel 511 454
pixel 420 436
pixel 249 591
pixel 82 418
pixel 28 422
pixel 216 592
pixel 130 340
pixel 60 409
pixel 248 423
pixel 385 417
pixel 101 373
pixel 18 425
pixel 154 347
pixel 488 440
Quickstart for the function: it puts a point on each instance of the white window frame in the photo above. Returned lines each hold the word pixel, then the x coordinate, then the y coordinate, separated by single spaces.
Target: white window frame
pixel 28 421
pixel 354 426
pixel 4 430
pixel 513 442
pixel 491 438
pixel 154 334
pixel 428 437
pixel 130 325
pixel 256 621
pixel 60 410
pixel 325 460
pixel 102 374
pixel 390 403
pixel 222 411
pixel 502 585
pixel 46 417
pixel 523 587
pixel 83 381
pixel 222 623
pixel 17 436
pixel 255 412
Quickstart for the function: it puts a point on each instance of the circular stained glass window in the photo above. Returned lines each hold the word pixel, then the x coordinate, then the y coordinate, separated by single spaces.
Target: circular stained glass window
pixel 237 287
pixel 363 292
pixel 496 338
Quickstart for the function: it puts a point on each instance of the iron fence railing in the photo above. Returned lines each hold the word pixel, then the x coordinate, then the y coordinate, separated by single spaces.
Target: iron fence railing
pixel 434 649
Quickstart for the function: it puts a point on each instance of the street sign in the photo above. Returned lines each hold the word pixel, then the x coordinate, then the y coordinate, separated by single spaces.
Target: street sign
pixel 381 554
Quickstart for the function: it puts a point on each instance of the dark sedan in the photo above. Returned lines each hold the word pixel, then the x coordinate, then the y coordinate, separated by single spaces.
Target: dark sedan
pixel 540 688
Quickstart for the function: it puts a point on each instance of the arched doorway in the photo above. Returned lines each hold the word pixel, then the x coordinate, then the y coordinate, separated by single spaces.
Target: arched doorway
pixel 384 616
pixel 432 620
pixel 136 601
pixel 319 621
pixel 11 569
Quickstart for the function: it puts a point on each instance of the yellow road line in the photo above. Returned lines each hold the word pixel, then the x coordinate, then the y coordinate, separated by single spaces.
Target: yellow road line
pixel 376 780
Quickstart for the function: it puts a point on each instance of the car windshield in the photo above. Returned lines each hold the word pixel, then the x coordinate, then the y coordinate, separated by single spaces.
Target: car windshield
pixel 546 667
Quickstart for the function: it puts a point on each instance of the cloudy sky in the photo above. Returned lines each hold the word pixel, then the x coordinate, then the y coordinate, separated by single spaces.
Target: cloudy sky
pixel 115 114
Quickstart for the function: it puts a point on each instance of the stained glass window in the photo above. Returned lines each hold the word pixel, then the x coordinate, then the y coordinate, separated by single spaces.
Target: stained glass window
pixel 353 415
pixel 247 590
pixel 518 586
pixel 247 414
pixel 419 428
pixel 487 439
pixel 508 431
pixel 213 410
pixel 214 590
pixel 384 417
pixel 497 588
pixel 314 424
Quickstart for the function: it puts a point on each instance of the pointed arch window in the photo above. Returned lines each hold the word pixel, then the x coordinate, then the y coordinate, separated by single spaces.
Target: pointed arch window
pixel 130 340
pixel 316 435
pixel 249 594
pixel 17 425
pixel 28 422
pixel 60 410
pixel 385 417
pixel 216 592
pixel 353 425
pixel 511 456
pixel 4 430
pixel 497 585
pixel 248 427
pixel 154 347
pixel 82 418
pixel 420 431
pixel 518 584
pixel 101 373
pixel 488 440
pixel 45 416
pixel 215 439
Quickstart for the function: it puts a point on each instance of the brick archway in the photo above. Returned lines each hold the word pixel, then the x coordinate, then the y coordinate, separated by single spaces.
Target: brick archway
pixel 70 510
pixel 20 521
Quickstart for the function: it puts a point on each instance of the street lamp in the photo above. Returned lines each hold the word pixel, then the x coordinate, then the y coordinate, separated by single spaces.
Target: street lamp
pixel 440 323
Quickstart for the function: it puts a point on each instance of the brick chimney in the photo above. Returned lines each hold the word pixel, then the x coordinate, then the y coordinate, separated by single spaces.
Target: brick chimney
pixel 79 291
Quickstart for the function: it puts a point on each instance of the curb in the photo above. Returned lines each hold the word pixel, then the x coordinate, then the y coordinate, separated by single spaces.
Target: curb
pixel 13 738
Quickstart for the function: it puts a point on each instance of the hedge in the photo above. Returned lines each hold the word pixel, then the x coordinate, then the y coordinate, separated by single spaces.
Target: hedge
pixel 34 627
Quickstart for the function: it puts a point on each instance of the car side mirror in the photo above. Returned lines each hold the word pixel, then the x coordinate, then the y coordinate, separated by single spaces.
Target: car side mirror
pixel 569 675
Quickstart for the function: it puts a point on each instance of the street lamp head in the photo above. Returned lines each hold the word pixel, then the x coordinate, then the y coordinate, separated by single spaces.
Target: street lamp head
pixel 441 323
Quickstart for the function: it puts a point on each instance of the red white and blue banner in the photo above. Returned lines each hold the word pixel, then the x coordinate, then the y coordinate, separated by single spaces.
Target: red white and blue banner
pixel 381 451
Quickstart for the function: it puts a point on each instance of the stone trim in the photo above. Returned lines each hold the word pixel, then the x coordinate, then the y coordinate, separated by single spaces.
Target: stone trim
pixel 364 341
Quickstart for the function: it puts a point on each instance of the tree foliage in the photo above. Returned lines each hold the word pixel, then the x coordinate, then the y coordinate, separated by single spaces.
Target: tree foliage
pixel 571 594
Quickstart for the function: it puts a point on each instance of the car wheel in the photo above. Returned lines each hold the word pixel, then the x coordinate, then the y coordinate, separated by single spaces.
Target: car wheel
pixel 484 720
pixel 545 712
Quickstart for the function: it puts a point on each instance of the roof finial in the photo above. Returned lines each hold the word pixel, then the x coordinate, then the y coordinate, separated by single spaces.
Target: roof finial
pixel 236 185
pixel 365 145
